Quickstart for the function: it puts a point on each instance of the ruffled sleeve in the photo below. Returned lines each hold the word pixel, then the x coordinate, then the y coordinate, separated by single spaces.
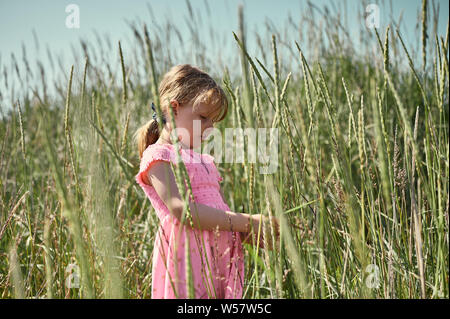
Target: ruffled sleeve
pixel 153 154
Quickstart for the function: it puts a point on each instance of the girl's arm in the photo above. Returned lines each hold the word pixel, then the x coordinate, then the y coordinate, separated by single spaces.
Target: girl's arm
pixel 245 236
pixel 251 236
pixel 160 176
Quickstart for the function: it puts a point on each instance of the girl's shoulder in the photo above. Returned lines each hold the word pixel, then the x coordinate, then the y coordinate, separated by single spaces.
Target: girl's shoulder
pixel 165 152
pixel 168 152
pixel 158 147
pixel 152 154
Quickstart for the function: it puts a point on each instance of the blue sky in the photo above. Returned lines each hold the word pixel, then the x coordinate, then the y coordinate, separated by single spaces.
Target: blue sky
pixel 19 18
pixel 47 17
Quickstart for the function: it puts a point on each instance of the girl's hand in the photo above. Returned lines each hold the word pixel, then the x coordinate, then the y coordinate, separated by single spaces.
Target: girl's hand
pixel 267 228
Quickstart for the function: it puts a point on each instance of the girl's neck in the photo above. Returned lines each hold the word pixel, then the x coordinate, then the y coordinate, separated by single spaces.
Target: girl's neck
pixel 164 138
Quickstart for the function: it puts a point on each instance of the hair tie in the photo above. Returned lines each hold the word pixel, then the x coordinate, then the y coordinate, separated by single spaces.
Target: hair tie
pixel 154 115
pixel 154 112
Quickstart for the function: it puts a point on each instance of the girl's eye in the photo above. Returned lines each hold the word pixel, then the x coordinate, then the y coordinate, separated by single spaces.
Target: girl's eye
pixel 202 117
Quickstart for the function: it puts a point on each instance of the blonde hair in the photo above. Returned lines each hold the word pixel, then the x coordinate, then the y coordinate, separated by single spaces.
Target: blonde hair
pixel 185 84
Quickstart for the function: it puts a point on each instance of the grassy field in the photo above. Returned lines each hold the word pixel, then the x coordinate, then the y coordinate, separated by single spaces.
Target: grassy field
pixel 361 189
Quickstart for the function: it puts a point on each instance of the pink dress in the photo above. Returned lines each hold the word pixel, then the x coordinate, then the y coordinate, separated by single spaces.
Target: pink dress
pixel 217 259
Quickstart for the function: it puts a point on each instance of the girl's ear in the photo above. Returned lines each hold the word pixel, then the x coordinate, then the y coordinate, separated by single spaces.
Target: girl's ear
pixel 175 106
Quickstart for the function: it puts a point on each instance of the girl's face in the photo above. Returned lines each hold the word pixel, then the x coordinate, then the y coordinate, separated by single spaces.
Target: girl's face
pixel 191 123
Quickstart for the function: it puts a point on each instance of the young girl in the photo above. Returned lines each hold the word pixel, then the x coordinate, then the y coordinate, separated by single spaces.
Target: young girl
pixel 215 242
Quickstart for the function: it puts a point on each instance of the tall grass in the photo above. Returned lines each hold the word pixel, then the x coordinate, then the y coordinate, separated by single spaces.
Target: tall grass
pixel 361 189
